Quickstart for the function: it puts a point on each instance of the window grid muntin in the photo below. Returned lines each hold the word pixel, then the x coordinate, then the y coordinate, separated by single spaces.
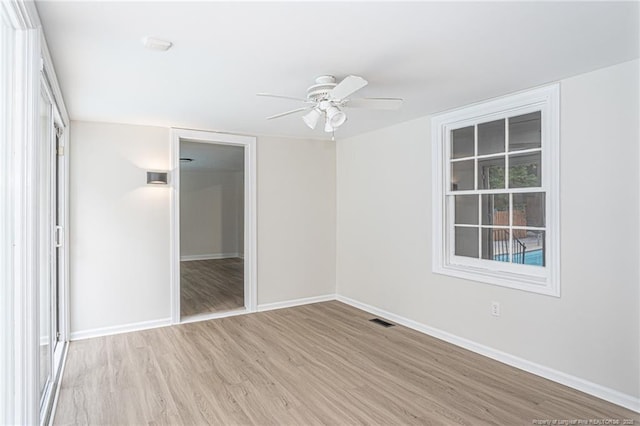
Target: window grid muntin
pixel 475 156
pixel 509 227
pixel 506 168
pixel 497 155
pixel 450 193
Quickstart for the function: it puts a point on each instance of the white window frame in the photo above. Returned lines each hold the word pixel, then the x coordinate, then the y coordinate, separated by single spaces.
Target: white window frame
pixel 543 280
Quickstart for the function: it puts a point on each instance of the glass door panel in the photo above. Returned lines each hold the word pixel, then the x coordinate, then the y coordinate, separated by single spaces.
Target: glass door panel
pixel 58 211
pixel 50 212
pixel 44 242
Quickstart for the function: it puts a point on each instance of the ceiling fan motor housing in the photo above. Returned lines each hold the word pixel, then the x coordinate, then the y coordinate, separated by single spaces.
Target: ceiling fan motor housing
pixel 320 90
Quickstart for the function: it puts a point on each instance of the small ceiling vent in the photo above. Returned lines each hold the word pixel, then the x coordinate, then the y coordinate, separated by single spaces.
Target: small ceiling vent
pixel 153 43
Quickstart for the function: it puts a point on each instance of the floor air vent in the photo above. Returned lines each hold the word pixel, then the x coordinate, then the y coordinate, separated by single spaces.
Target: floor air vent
pixel 381 322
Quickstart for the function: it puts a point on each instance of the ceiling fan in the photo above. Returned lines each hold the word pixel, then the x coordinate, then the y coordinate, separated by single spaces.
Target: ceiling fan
pixel 326 98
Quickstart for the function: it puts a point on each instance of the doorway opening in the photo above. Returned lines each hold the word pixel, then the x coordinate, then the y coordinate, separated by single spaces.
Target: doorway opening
pixel 213 225
pixel 211 228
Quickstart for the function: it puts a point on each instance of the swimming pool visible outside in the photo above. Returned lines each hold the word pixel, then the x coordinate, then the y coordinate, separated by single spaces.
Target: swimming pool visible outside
pixel 533 257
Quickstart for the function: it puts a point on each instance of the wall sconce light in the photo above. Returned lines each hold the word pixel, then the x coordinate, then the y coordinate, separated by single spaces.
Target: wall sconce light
pixel 157 178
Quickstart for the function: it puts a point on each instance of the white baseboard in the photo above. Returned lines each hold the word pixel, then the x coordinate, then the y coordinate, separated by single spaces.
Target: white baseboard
pixel 118 329
pixel 296 302
pixel 145 325
pixel 210 256
pixel 574 382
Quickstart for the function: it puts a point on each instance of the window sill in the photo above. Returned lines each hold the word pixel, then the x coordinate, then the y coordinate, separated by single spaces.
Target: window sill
pixel 540 285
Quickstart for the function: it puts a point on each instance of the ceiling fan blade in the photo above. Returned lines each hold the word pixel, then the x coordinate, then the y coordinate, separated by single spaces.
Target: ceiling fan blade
pixel 293 111
pixel 269 95
pixel 375 103
pixel 346 87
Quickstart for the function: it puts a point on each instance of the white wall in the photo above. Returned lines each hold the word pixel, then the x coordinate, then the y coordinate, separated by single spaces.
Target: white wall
pixel 593 330
pixel 120 226
pixel 296 219
pixel 211 213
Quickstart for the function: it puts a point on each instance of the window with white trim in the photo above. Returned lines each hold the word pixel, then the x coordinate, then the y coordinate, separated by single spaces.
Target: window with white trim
pixel 496 191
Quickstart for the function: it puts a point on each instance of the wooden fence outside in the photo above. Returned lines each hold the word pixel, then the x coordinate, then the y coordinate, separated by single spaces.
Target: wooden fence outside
pixel 501 218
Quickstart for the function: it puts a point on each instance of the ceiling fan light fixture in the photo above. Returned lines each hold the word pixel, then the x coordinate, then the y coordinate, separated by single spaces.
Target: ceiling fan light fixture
pixel 335 117
pixel 327 126
pixel 311 118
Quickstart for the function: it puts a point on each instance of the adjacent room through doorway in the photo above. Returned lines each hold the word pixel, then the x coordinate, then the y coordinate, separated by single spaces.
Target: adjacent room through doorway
pixel 211 228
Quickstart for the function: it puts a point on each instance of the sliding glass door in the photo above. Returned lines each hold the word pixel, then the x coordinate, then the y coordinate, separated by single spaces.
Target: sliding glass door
pixel 50 245
pixel 44 233
pixel 33 181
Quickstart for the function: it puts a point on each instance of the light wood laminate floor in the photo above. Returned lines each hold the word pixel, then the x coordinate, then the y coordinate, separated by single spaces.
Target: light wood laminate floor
pixel 208 286
pixel 315 364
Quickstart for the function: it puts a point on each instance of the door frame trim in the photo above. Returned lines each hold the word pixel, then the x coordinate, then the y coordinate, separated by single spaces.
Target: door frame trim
pixel 30 61
pixel 250 216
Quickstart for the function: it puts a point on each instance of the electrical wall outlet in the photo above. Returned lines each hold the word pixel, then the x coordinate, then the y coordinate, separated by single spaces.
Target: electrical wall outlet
pixel 495 309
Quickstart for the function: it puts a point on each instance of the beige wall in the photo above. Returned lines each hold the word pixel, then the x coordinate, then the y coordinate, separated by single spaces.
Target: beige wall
pixel 296 219
pixel 120 233
pixel 593 330
pixel 211 213
pixel 119 226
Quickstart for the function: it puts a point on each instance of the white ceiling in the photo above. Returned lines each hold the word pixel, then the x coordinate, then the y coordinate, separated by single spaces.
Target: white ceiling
pixel 435 55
